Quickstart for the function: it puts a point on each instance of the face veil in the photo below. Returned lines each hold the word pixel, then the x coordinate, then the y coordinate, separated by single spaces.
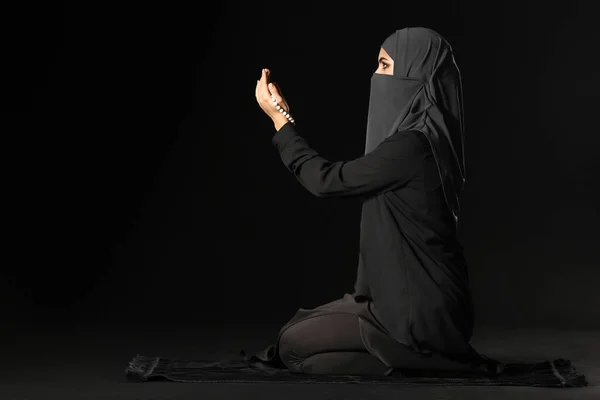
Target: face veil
pixel 424 94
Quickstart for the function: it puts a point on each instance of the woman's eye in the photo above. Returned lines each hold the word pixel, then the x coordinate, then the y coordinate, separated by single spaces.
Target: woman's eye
pixel 384 65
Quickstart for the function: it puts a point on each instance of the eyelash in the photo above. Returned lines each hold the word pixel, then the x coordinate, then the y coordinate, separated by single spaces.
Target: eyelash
pixel 385 65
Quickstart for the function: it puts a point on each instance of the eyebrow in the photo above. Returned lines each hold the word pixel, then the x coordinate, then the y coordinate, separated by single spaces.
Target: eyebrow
pixel 383 58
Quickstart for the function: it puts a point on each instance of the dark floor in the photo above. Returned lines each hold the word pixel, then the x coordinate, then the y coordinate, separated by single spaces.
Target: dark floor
pixel 86 361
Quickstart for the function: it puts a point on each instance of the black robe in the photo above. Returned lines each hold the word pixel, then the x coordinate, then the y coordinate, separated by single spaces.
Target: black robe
pixel 411 266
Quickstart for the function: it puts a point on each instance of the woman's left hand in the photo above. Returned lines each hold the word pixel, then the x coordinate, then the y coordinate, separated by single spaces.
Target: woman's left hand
pixel 263 92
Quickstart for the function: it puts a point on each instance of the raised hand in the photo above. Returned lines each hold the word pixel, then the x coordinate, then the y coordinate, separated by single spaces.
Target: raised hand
pixel 265 92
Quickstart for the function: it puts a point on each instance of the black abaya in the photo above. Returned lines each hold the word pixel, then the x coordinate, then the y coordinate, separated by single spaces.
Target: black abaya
pixel 412 276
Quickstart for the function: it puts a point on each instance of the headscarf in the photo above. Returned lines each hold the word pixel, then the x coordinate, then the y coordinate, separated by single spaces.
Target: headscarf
pixel 424 94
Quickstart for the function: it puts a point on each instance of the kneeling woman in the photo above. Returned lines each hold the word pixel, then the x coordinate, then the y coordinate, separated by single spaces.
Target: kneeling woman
pixel 411 308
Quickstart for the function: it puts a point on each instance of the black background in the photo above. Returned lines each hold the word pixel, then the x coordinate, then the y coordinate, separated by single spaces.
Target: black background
pixel 140 180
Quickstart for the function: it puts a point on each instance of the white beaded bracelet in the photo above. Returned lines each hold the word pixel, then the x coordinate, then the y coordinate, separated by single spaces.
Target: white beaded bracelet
pixel 285 114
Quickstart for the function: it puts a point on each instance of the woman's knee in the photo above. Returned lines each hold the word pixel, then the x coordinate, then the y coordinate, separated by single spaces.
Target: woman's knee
pixel 326 344
pixel 344 362
pixel 290 352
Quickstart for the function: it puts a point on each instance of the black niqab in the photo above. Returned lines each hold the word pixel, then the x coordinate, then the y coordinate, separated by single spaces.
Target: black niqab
pixel 424 94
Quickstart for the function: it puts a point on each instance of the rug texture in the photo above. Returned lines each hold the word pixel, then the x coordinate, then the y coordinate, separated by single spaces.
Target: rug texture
pixel 558 373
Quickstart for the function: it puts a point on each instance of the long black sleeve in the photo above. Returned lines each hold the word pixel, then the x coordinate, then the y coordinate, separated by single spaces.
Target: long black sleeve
pixel 394 162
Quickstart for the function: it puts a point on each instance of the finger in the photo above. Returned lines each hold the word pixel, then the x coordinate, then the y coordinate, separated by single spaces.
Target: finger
pixel 264 78
pixel 274 88
pixel 278 88
pixel 260 84
pixel 267 80
pixel 268 76
pixel 258 93
pixel 263 90
pixel 275 93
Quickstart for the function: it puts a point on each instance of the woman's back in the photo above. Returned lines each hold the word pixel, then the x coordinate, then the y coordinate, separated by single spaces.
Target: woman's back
pixel 424 196
pixel 411 264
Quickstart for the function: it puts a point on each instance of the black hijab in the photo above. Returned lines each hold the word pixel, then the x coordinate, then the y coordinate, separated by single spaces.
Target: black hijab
pixel 424 94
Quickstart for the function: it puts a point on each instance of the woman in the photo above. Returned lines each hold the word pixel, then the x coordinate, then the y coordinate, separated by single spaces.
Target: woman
pixel 412 307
